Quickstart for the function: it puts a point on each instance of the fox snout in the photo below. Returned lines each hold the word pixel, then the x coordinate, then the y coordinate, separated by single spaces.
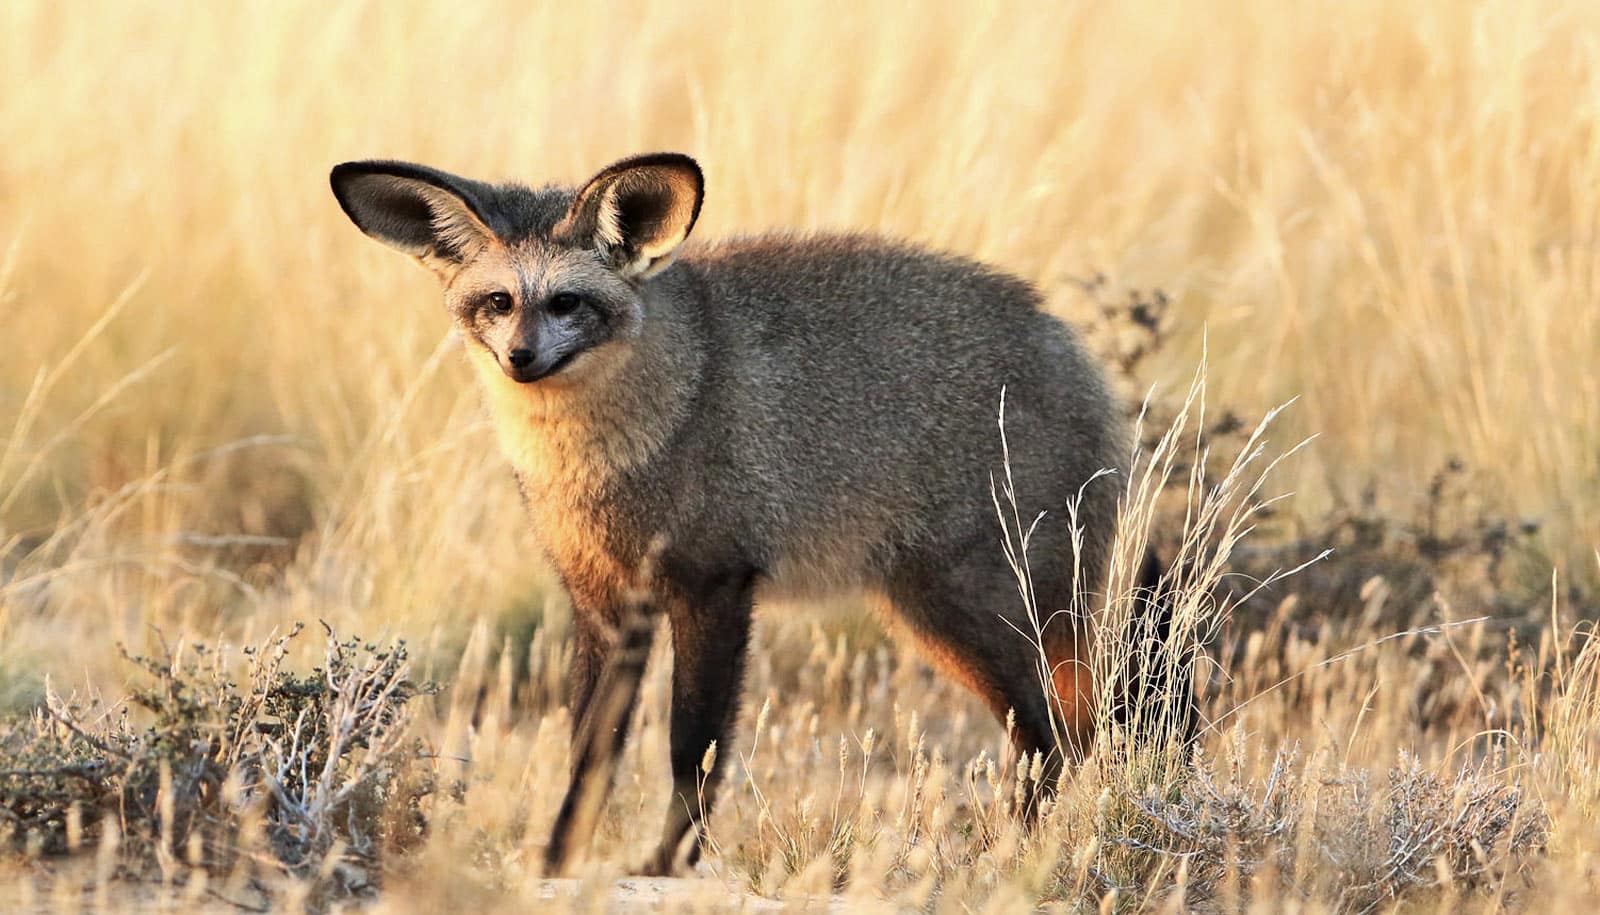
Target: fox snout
pixel 524 364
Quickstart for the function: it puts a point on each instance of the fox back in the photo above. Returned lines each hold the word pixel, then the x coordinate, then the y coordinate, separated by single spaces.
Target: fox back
pixel 796 414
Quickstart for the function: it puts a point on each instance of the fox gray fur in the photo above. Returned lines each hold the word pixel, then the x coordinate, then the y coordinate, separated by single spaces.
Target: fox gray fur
pixel 801 414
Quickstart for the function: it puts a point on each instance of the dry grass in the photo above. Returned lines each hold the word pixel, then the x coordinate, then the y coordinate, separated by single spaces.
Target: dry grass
pixel 223 412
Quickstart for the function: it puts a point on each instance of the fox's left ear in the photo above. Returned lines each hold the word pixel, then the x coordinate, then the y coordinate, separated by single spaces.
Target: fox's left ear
pixel 638 211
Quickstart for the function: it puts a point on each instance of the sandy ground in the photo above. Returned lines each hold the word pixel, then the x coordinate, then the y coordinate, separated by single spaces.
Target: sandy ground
pixel 634 894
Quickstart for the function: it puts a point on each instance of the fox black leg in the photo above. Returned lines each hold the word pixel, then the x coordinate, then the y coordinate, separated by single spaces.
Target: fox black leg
pixel 710 638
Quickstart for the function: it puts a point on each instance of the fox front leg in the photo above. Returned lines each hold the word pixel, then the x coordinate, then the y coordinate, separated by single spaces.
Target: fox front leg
pixel 607 702
pixel 710 639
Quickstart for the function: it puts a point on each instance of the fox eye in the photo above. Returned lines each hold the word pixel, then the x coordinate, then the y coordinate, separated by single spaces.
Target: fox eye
pixel 498 302
pixel 563 303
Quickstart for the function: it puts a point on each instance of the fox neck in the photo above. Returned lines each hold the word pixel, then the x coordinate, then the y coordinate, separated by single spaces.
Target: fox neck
pixel 568 439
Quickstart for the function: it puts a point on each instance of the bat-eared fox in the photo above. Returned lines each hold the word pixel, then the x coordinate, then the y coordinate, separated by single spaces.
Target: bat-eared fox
pixel 694 426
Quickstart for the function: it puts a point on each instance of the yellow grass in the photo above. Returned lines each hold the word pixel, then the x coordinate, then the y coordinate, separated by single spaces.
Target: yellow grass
pixel 223 410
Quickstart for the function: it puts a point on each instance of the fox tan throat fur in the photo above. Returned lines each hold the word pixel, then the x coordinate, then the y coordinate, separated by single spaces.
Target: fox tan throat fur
pixel 697 425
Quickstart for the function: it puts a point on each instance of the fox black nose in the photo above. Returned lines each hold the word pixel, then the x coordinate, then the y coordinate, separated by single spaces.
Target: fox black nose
pixel 520 358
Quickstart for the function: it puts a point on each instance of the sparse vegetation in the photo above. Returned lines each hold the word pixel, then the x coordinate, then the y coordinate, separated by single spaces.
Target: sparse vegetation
pixel 222 415
pixel 271 782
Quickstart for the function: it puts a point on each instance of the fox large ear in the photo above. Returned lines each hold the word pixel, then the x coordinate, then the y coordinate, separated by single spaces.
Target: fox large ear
pixel 638 211
pixel 430 215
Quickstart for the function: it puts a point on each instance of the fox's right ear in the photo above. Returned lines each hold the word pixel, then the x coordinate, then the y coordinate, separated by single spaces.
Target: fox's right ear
pixel 431 215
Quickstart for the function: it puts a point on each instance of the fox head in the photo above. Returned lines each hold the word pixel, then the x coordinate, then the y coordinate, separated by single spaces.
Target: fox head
pixel 538 281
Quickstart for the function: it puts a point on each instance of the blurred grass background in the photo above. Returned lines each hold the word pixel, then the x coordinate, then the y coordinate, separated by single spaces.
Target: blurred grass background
pixel 1387 210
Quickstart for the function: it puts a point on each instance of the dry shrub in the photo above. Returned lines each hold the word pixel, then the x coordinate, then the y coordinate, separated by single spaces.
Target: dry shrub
pixel 271 781
pixel 1326 832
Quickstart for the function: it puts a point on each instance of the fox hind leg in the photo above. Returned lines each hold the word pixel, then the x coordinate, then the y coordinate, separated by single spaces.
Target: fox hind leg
pixel 960 615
